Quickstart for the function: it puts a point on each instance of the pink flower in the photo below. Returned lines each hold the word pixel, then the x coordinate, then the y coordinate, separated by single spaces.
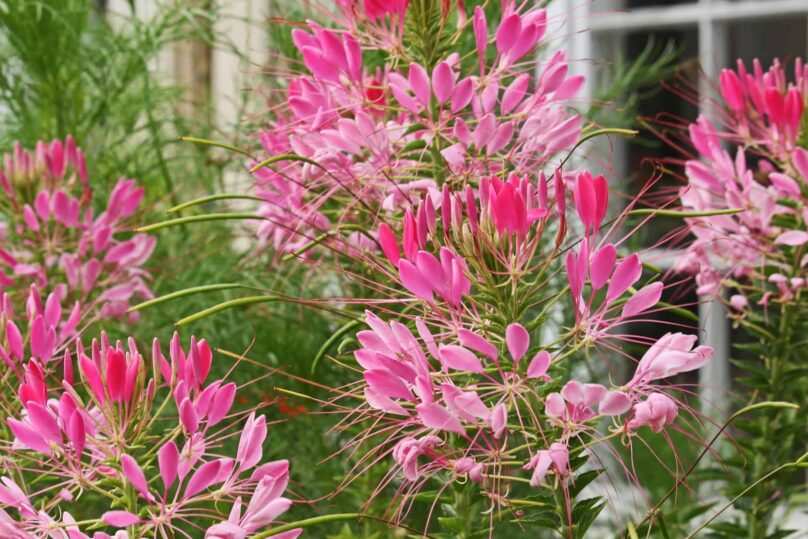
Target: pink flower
pixel 555 458
pixel 672 354
pixel 657 411
pixel 407 451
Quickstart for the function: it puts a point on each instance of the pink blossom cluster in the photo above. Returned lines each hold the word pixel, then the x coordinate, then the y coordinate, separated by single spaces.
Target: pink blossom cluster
pixel 53 238
pixel 449 390
pixel 756 162
pixel 106 429
pixel 384 137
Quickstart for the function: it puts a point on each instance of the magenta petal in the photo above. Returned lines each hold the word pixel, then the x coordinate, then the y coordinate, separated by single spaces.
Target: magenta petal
pixel 460 359
pixel 14 338
pixel 168 458
pixel 135 476
pixel 436 416
pixel 469 339
pixel 188 416
pixel 419 82
pixel 601 265
pixel 626 274
pixel 539 365
pixel 29 437
pixel 644 299
pixel 204 477
pixel 116 375
pixel 388 384
pixel 442 82
pixel 120 519
pixel 518 341
pixel 413 281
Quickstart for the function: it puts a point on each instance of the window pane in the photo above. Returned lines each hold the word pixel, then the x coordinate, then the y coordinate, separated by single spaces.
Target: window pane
pixel 672 98
pixel 783 38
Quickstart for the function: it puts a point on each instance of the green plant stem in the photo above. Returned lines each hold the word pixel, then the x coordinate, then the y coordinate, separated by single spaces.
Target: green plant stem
pixel 758 522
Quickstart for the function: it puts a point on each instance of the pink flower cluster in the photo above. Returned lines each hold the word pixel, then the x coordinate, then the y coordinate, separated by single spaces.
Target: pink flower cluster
pixel 764 175
pixel 451 399
pixel 106 428
pixel 452 167
pixel 385 137
pixel 53 238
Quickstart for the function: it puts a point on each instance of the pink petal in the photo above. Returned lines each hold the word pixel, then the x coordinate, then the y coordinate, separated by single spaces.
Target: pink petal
pixel 615 403
pixel 518 341
pixel 14 339
pixel 626 274
pixel 135 476
pixel 203 478
pixel 435 416
pixel 469 339
pixel 44 422
pixel 539 365
pixel 644 299
pixel 458 358
pixel 388 384
pixel 508 32
pixel 120 519
pixel 554 405
pixel 188 416
pixel 499 420
pixel 461 95
pixel 800 158
pixel 413 281
pixel 601 265
pixel 29 437
pixel 731 89
pixel 389 244
pixel 221 404
pixel 419 81
pixel 442 82
pixel 793 238
pixel 116 374
pixel 168 459
pixel 514 93
pixel 382 402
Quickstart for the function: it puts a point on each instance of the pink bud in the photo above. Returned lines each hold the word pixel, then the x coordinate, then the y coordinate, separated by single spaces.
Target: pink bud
pixel 389 244
pixel 731 89
pixel 14 338
pixel 115 375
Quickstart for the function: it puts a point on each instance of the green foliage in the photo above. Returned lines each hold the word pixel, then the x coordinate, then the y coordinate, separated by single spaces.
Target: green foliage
pixel 623 85
pixel 67 69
